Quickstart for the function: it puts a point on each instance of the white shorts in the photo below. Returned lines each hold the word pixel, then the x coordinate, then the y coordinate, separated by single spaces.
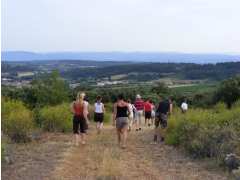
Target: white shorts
pixel 153 114
pixel 139 115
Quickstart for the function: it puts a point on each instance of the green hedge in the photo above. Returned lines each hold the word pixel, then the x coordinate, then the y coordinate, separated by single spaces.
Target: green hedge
pixel 56 118
pixel 17 121
pixel 206 133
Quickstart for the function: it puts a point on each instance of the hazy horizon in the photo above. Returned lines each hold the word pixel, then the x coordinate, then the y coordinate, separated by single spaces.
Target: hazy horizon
pixel 187 26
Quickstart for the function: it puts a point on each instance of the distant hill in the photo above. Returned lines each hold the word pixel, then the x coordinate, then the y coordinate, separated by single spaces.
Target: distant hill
pixel 121 56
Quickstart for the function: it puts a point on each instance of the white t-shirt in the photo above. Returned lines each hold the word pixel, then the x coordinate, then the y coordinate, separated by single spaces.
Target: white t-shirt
pixel 184 106
pixel 98 107
pixel 130 110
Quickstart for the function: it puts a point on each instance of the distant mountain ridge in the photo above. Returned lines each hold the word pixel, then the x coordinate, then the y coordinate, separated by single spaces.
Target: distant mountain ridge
pixel 175 57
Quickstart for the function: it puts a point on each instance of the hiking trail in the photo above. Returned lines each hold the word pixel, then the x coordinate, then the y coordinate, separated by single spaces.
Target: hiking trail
pixel 101 158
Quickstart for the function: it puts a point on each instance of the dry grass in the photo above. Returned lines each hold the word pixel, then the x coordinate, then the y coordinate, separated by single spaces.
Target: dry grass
pixel 102 159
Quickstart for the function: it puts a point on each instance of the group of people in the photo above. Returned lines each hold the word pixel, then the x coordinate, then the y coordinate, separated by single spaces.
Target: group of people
pixel 126 116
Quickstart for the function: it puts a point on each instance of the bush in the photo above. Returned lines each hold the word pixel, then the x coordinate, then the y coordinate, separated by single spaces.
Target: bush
pixel 56 118
pixel 229 91
pixel 107 117
pixel 17 121
pixel 206 133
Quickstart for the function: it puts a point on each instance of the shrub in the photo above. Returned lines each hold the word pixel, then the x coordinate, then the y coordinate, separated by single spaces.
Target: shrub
pixel 107 117
pixel 17 121
pixel 56 118
pixel 229 91
pixel 206 133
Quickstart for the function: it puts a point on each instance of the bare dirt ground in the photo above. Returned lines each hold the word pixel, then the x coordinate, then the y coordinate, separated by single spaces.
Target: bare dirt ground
pixel 56 158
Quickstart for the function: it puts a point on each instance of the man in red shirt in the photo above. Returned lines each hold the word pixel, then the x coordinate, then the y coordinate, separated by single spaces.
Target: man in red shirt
pixel 148 112
pixel 139 104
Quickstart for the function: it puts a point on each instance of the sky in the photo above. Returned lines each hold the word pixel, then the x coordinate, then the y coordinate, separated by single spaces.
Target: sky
pixel 201 26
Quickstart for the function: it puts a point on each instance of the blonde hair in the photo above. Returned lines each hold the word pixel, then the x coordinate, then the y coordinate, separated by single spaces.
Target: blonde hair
pixel 80 97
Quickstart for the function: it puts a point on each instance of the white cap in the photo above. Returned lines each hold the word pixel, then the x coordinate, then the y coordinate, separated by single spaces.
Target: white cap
pixel 138 96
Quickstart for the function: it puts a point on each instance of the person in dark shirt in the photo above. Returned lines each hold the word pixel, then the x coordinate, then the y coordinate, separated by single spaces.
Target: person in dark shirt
pixel 120 120
pixel 161 119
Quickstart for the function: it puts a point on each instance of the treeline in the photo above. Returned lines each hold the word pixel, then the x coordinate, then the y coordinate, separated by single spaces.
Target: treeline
pixel 217 71
pixel 51 89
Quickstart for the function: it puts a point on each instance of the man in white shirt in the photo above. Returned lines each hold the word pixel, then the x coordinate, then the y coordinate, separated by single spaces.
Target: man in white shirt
pixel 184 106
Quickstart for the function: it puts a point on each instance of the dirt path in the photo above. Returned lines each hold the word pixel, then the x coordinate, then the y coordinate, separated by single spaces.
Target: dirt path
pixel 102 159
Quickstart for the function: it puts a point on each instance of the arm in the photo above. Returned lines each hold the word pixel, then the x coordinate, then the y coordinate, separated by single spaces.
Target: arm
pixel 72 107
pixel 85 112
pixel 134 108
pixel 94 107
pixel 114 113
pixel 128 109
pixel 171 108
pixel 103 108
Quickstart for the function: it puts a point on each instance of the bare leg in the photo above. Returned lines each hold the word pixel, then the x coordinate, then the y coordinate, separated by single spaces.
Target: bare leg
pixel 156 133
pixel 162 133
pixel 101 126
pixel 137 122
pixel 98 127
pixel 140 119
pixel 76 139
pixel 152 120
pixel 130 123
pixel 83 136
pixel 124 135
pixel 119 136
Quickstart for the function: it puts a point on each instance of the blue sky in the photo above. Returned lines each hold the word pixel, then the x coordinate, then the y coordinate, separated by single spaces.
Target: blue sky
pixel 121 25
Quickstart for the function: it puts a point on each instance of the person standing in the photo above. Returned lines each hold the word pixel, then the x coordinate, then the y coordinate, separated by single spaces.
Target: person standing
pixel 132 109
pixel 120 119
pixel 99 114
pixel 161 119
pixel 147 112
pixel 184 106
pixel 139 104
pixel 88 114
pixel 80 119
pixel 153 114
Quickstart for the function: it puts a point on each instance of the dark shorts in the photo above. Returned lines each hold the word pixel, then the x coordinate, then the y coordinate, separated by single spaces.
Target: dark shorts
pixel 79 122
pixel 162 120
pixel 98 117
pixel 148 115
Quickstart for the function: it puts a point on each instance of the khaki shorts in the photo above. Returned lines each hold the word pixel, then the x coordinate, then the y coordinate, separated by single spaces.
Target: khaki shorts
pixel 162 120
pixel 121 122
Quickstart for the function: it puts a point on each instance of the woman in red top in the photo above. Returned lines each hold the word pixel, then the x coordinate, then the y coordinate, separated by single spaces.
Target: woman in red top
pixel 147 112
pixel 80 119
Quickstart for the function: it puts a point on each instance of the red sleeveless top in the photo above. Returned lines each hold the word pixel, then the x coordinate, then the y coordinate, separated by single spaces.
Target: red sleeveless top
pixel 78 109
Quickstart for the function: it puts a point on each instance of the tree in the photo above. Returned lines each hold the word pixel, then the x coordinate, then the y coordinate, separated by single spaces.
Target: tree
pixel 229 91
pixel 50 89
pixel 160 89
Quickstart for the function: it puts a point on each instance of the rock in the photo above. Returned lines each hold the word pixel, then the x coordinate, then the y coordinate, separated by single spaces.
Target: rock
pixel 236 174
pixel 36 136
pixel 232 161
pixel 8 160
